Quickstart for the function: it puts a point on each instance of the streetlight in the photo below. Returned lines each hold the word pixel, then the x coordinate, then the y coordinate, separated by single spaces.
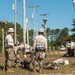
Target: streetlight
pixel 74 4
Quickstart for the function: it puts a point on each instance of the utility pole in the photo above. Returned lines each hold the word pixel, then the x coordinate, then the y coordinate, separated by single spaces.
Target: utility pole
pixel 33 17
pixel 44 22
pixel 15 20
pixel 27 31
pixel 73 4
pixel 74 10
pixel 24 22
pixel 2 24
pixel 3 40
pixel 14 8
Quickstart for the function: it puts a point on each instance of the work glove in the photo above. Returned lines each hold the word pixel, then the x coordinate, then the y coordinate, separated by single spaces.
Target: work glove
pixel 25 56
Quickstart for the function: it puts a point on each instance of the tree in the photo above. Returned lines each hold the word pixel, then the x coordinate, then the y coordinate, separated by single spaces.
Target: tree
pixel 57 32
pixel 63 37
pixel 73 30
pixel 31 37
pixel 48 30
pixel 52 33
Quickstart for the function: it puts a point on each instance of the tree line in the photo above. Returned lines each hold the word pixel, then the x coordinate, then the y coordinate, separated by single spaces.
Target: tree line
pixel 55 37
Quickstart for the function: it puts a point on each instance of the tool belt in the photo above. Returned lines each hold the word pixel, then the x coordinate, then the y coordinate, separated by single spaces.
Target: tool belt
pixel 40 49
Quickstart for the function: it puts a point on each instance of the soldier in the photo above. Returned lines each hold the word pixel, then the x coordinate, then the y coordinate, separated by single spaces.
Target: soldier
pixel 9 52
pixel 25 49
pixel 40 45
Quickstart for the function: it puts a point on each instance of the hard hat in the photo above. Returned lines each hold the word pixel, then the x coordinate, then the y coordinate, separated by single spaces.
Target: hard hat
pixel 41 30
pixel 10 30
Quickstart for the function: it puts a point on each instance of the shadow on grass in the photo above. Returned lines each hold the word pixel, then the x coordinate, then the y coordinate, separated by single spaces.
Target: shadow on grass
pixel 1 67
pixel 28 68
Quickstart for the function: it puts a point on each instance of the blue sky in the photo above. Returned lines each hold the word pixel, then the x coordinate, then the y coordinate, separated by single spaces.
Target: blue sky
pixel 61 12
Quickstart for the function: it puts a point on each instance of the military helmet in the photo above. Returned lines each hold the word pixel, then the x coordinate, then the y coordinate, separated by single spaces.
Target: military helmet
pixel 41 31
pixel 10 30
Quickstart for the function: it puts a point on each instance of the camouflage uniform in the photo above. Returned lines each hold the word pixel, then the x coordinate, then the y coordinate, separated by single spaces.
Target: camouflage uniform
pixel 38 58
pixel 9 56
pixel 40 45
pixel 9 52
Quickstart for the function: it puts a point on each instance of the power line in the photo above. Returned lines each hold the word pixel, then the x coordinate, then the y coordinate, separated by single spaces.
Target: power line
pixel 33 18
pixel 28 18
pixel 19 14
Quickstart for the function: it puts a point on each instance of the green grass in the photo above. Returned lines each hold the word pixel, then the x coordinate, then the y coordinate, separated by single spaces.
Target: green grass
pixel 64 69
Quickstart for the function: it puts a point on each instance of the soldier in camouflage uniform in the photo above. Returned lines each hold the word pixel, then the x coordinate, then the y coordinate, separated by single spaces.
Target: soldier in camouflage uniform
pixel 40 45
pixel 9 52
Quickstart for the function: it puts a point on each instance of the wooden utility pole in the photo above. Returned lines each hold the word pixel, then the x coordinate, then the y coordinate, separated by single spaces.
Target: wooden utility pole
pixel 44 22
pixel 2 24
pixel 3 40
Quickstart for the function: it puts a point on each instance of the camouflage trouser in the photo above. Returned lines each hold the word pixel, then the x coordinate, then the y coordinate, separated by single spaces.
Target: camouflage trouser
pixel 37 61
pixel 9 57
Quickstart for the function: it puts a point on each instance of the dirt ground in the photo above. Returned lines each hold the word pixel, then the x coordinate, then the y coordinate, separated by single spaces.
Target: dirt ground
pixel 51 56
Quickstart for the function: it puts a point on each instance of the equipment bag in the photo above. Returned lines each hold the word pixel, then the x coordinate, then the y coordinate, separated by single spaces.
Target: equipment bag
pixel 25 64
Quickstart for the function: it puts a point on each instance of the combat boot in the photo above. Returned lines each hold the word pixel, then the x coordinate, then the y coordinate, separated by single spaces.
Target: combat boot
pixel 9 70
pixel 5 68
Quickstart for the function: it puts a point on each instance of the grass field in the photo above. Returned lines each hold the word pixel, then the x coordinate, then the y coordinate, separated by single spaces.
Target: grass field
pixel 64 69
